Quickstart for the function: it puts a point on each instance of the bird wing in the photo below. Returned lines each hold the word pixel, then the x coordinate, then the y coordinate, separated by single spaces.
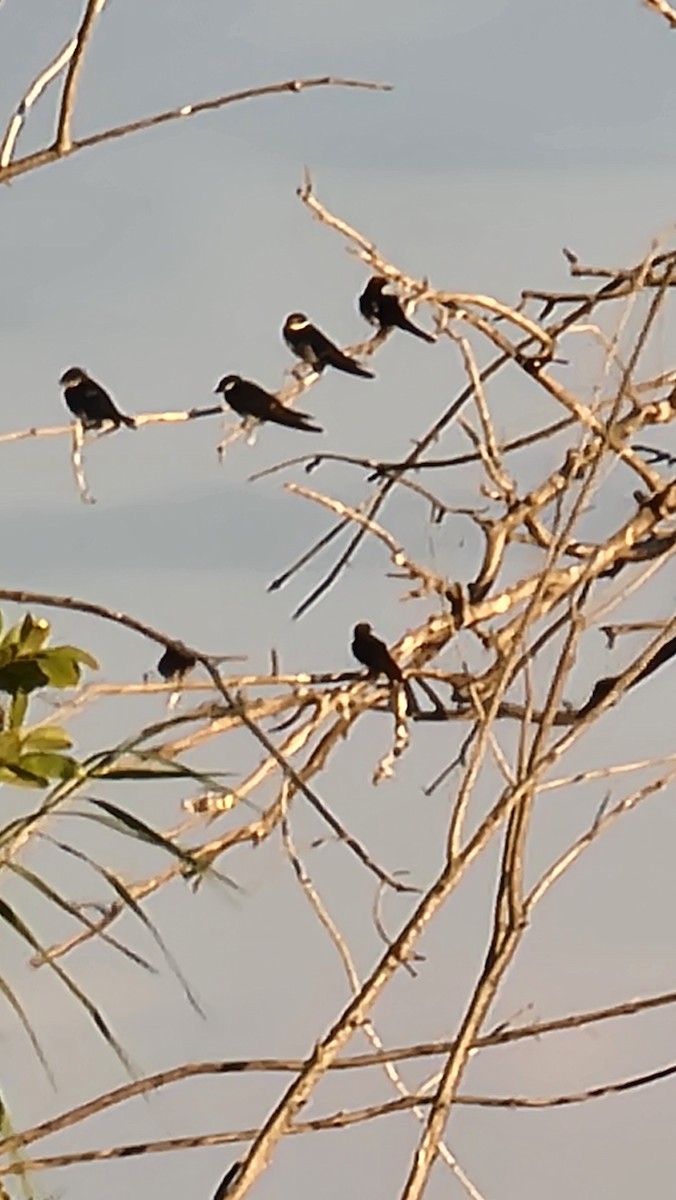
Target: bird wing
pixel 281 415
pixel 324 348
pixel 251 400
pixel 329 355
pixel 91 390
pixel 392 313
pixel 387 664
pixel 257 402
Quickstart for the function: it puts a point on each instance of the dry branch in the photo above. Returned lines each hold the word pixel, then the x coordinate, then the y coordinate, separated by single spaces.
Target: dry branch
pixel 49 154
pixel 664 10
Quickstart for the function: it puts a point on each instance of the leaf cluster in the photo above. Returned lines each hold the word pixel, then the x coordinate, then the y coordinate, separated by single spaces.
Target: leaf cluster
pixel 28 664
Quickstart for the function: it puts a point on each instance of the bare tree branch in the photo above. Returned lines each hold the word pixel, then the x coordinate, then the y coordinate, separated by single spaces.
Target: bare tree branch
pixel 664 10
pixel 49 154
pixel 63 138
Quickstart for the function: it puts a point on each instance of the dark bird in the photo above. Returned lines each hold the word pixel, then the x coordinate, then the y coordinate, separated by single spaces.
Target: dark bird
pixel 89 402
pixel 250 400
pixel 175 663
pixel 384 310
pixel 314 348
pixel 371 652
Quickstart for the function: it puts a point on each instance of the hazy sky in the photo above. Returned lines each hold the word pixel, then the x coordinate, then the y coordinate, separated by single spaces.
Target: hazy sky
pixel 163 261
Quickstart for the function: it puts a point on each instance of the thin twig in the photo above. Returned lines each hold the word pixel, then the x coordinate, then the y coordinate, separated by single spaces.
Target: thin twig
pixel 49 154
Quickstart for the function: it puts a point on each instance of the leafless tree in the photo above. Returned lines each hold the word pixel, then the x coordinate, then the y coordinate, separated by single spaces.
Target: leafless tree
pixel 510 715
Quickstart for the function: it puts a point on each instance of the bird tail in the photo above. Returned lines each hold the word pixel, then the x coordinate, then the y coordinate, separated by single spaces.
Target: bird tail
pixel 344 363
pixel 393 671
pixel 128 421
pixel 426 337
pixel 296 420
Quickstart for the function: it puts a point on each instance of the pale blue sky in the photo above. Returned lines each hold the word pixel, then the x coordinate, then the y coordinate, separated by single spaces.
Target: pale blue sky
pixel 160 263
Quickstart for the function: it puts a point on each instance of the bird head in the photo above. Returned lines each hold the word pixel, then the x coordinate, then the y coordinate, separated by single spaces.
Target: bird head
pixel 295 322
pixel 72 377
pixel 227 383
pixel 362 629
pixel 378 283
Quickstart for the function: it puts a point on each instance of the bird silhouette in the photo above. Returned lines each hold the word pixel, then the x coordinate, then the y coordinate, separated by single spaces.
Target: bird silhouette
pixel 384 310
pixel 89 402
pixel 249 400
pixel 371 652
pixel 175 663
pixel 314 348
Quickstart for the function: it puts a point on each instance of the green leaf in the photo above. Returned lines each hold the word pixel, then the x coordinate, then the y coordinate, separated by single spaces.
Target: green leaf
pixel 33 635
pixel 47 737
pixel 10 747
pixel 140 830
pixel 14 1002
pixel 18 776
pixel 126 896
pixel 17 709
pixel 80 656
pixel 12 918
pixel 60 667
pixel 15 922
pixel 17 1156
pixel 13 635
pixel 49 766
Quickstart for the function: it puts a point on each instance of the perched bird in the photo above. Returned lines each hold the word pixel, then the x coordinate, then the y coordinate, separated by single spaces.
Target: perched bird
pixel 313 347
pixel 175 664
pixel 384 310
pixel 89 402
pixel 250 400
pixel 371 652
